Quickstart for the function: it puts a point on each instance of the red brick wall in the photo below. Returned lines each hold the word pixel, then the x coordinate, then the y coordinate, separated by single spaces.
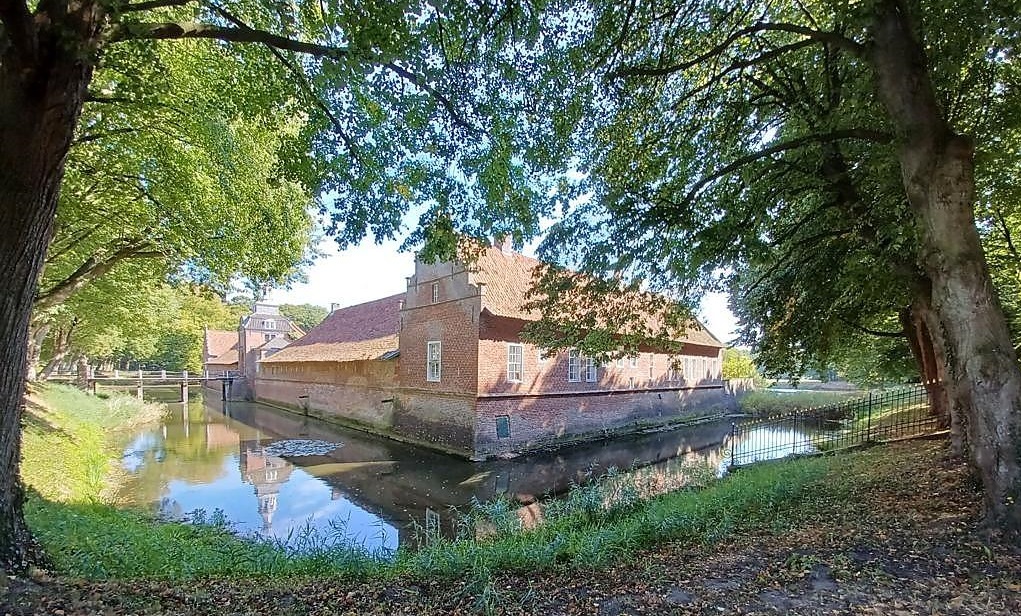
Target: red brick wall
pixel 439 412
pixel 452 320
pixel 360 391
pixel 540 420
pixel 652 369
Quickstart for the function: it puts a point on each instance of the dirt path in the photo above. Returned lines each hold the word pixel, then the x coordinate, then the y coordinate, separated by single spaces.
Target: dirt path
pixel 905 542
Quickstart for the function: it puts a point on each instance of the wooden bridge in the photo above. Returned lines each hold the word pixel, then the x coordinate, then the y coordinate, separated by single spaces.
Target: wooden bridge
pixel 152 379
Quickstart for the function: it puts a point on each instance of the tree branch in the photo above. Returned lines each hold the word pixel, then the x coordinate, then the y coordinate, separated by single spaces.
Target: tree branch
pixel 188 30
pixel 832 38
pixel 863 134
pixel 870 331
pixel 93 267
pixel 153 4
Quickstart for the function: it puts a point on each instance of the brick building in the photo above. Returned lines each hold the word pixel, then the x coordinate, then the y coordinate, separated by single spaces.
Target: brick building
pixel 258 336
pixel 443 364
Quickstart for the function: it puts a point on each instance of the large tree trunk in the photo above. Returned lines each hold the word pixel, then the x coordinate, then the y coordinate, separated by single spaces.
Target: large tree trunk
pixel 927 349
pixel 36 337
pixel 45 67
pixel 937 167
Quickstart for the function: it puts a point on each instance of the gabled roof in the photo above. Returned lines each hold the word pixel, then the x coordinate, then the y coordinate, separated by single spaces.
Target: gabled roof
pixel 363 331
pixel 221 347
pixel 508 276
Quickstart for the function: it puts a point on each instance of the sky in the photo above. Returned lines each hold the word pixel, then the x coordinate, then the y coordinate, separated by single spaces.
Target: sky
pixel 370 271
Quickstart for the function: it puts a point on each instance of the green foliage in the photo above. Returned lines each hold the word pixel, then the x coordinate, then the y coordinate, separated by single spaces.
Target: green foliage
pixel 306 316
pixel 710 149
pixel 739 364
pixel 765 403
pixel 126 318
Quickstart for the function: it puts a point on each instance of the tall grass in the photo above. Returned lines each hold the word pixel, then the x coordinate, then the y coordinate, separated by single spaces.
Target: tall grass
pixel 765 403
pixel 68 436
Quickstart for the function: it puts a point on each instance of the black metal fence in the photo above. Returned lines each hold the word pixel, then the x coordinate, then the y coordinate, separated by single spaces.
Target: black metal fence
pixel 879 416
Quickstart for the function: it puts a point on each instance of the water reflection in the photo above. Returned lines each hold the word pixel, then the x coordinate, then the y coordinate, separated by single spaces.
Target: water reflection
pixel 372 490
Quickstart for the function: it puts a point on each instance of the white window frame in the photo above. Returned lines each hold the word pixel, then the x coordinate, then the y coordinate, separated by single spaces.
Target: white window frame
pixel 634 361
pixel 269 324
pixel 591 370
pixel 652 363
pixel 435 292
pixel 515 365
pixel 574 366
pixel 540 357
pixel 620 362
pixel 433 360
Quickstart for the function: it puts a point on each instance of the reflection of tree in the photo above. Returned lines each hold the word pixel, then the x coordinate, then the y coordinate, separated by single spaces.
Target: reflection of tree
pixel 188 448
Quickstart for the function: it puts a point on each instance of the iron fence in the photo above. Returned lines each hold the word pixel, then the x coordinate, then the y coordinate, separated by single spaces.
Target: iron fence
pixel 879 416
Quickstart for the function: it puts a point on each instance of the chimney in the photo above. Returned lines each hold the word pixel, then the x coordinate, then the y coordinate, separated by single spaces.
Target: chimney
pixel 333 307
pixel 505 243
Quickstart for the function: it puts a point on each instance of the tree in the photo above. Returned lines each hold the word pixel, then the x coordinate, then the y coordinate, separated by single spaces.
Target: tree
pixel 757 137
pixel 305 316
pixel 207 202
pixel 738 364
pixel 392 120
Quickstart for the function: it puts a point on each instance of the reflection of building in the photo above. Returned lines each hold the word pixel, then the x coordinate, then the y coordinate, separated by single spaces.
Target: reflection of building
pixel 444 364
pixel 267 474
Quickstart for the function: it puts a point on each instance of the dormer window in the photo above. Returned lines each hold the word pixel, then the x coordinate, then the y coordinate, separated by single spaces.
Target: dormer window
pixel 436 292
pixel 269 324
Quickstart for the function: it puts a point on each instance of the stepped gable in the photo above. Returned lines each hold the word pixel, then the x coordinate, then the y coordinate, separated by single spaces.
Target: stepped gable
pixel 359 332
pixel 508 276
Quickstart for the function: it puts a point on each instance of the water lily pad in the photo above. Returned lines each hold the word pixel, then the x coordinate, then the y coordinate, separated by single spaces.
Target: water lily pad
pixel 299 447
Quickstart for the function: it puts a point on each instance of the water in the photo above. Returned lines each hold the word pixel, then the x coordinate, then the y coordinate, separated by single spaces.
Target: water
pixel 370 489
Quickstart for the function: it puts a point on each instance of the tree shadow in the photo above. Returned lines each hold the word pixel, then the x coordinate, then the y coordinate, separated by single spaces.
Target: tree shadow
pixel 35 417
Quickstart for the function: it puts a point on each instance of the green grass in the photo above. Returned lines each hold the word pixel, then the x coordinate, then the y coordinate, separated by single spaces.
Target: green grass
pixel 765 403
pixel 596 524
pixel 68 437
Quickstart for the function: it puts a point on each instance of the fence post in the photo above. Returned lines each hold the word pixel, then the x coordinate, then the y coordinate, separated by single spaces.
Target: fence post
pixel 868 424
pixel 733 441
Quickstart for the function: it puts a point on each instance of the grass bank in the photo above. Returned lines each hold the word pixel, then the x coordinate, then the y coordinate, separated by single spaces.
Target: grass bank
pixel 765 403
pixel 69 436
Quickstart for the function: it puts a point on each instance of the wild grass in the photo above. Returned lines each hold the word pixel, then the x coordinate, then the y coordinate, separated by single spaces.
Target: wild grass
pixel 765 403
pixel 67 439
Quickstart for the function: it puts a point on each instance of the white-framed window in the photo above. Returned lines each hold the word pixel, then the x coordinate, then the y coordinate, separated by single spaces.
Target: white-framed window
pixel 269 324
pixel 574 365
pixel 631 382
pixel 515 361
pixel 652 361
pixel 591 370
pixel 620 362
pixel 433 359
pixel 634 361
pixel 436 292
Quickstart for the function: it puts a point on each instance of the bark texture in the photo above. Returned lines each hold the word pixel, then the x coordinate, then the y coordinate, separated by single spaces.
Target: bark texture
pixel 937 167
pixel 45 67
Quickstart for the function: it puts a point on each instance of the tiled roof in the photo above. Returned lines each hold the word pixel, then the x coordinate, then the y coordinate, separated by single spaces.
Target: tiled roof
pixel 221 347
pixel 363 331
pixel 508 277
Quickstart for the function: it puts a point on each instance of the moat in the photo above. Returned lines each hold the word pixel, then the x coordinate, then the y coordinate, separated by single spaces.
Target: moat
pixel 239 458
